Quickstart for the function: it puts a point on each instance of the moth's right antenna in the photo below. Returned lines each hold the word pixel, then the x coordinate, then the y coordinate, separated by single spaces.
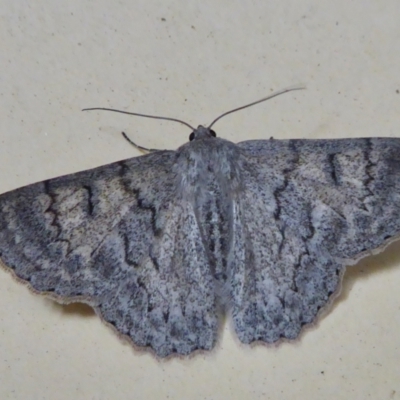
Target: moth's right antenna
pixel 256 102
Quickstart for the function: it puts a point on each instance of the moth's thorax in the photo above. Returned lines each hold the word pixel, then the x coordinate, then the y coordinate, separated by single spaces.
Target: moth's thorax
pixel 207 160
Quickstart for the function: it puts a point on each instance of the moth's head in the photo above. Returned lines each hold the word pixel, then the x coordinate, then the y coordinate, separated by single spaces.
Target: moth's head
pixel 202 133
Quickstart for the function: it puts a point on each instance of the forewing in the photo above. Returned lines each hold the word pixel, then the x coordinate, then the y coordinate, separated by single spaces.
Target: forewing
pixel 307 209
pixel 117 238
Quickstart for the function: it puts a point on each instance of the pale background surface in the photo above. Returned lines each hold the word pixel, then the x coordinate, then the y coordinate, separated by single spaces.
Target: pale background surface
pixel 205 58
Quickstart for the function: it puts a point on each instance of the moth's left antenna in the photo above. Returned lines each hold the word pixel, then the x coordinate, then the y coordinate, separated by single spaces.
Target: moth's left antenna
pixel 139 115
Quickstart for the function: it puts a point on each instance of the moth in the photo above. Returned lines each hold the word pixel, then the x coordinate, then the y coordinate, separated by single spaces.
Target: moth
pixel 163 244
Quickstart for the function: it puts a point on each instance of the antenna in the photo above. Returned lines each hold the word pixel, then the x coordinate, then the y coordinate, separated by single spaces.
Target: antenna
pixel 254 103
pixel 188 125
pixel 140 115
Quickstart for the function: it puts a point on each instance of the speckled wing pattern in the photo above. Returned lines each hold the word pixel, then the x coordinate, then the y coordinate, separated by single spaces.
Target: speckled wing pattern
pixel 308 208
pixel 121 239
pixel 160 245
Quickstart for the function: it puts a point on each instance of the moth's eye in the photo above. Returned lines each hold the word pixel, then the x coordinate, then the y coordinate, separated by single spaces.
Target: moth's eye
pixel 191 136
pixel 213 133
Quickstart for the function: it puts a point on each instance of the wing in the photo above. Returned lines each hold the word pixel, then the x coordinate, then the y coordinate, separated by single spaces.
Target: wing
pixel 308 208
pixel 119 238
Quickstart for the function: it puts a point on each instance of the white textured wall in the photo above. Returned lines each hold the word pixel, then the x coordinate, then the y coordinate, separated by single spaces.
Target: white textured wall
pixel 205 58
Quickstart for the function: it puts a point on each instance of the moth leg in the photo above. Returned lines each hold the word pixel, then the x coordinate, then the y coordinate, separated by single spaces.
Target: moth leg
pixel 141 148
